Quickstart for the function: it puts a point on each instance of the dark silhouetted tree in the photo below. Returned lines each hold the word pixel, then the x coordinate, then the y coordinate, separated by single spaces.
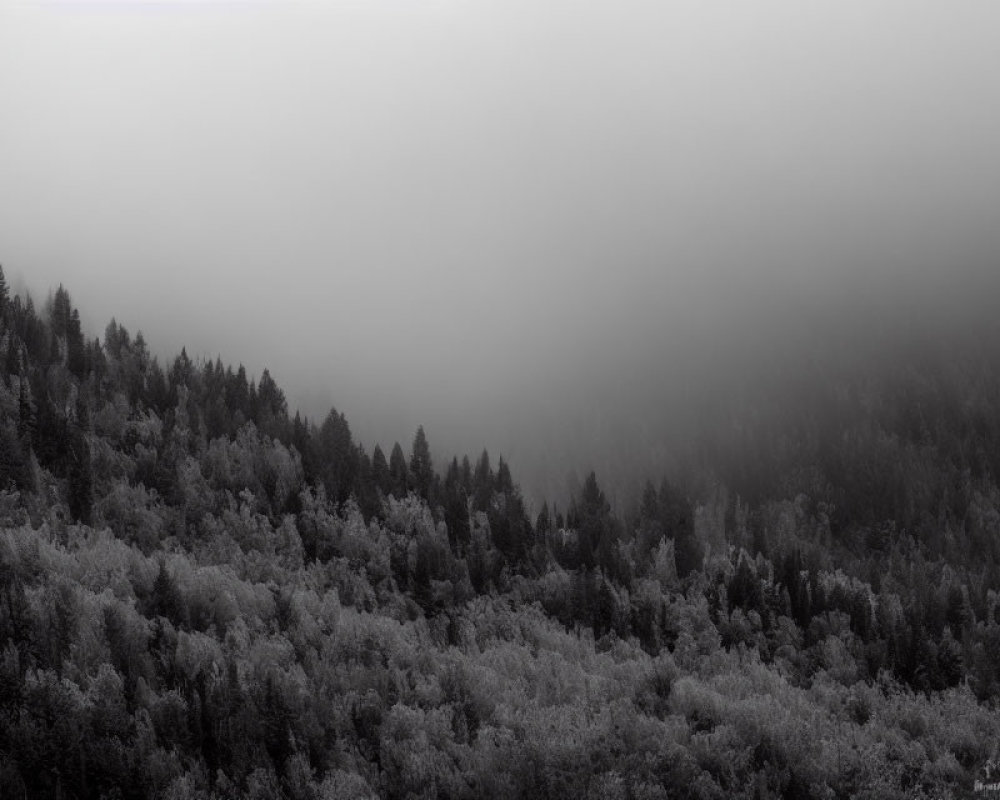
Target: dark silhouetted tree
pixel 421 467
pixel 4 298
pixel 399 477
pixel 337 457
pixel 482 483
pixel 80 477
pixel 380 471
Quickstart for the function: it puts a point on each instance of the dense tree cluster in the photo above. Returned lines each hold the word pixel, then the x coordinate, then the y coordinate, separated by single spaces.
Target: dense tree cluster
pixel 203 596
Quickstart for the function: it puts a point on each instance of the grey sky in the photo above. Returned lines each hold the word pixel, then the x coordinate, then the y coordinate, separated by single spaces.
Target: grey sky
pixel 462 213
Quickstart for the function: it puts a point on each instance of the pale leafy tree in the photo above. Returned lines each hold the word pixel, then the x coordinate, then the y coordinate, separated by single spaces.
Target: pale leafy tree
pixel 664 567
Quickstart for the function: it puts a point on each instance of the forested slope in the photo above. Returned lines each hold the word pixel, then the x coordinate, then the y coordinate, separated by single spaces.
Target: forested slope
pixel 203 596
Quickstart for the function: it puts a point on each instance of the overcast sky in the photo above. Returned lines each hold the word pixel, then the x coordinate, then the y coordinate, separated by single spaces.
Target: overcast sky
pixel 461 213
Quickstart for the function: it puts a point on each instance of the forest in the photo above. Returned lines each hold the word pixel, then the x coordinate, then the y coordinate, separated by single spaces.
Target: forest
pixel 206 595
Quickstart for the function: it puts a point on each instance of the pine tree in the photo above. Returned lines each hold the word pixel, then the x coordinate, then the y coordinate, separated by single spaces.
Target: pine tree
pixel 4 298
pixel 75 347
pixel 543 524
pixel 272 408
pixel 456 509
pixel 380 471
pixel 80 479
pixel 13 465
pixel 338 465
pixel 482 483
pixel 421 467
pixel 367 489
pixel 166 600
pixel 62 310
pixel 679 524
pixel 594 525
pixel 398 473
pixel 504 481
pixel 25 415
pixel 13 362
pixel 304 441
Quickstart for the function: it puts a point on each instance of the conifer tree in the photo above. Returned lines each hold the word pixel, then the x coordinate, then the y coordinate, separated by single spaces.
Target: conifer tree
pixel 25 415
pixel 456 509
pixel 420 464
pixel 543 523
pixel 75 347
pixel 504 481
pixel 337 457
pixel 380 471
pixel 482 483
pixel 366 488
pixel 80 473
pixel 398 471
pixel 13 362
pixel 61 312
pixel 4 299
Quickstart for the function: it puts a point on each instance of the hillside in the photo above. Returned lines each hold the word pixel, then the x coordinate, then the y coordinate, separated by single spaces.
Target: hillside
pixel 204 595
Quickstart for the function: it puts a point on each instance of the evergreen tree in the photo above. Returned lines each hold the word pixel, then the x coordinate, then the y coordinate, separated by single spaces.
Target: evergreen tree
pixel 13 465
pixel 304 442
pixel 337 457
pixel 678 519
pixel 367 488
pixel 543 524
pixel 25 415
pixel 76 351
pixel 12 365
pixel 272 408
pixel 456 509
pixel 466 475
pixel 650 529
pixel 157 390
pixel 61 313
pixel 421 467
pixel 166 599
pixel 4 299
pixel 482 483
pixel 380 471
pixel 595 528
pixel 398 473
pixel 80 473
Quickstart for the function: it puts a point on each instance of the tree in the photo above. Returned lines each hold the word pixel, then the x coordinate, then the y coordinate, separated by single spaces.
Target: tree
pixel 366 487
pixel 14 356
pixel 399 477
pixel 678 520
pixel 272 409
pixel 504 481
pixel 13 464
pixel 456 508
pixel 380 471
pixel 421 467
pixel 80 473
pixel 4 296
pixel 166 600
pixel 25 415
pixel 304 442
pixel 543 524
pixel 482 483
pixel 61 312
pixel 76 351
pixel 337 457
pixel 595 532
pixel 650 529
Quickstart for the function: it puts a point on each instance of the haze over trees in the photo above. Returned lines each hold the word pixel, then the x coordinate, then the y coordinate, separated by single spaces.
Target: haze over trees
pixel 205 595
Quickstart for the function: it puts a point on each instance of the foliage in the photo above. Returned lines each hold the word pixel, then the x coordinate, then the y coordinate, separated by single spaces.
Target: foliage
pixel 201 597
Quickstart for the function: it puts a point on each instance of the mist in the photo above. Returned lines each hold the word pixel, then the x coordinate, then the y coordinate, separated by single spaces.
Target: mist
pixel 546 230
